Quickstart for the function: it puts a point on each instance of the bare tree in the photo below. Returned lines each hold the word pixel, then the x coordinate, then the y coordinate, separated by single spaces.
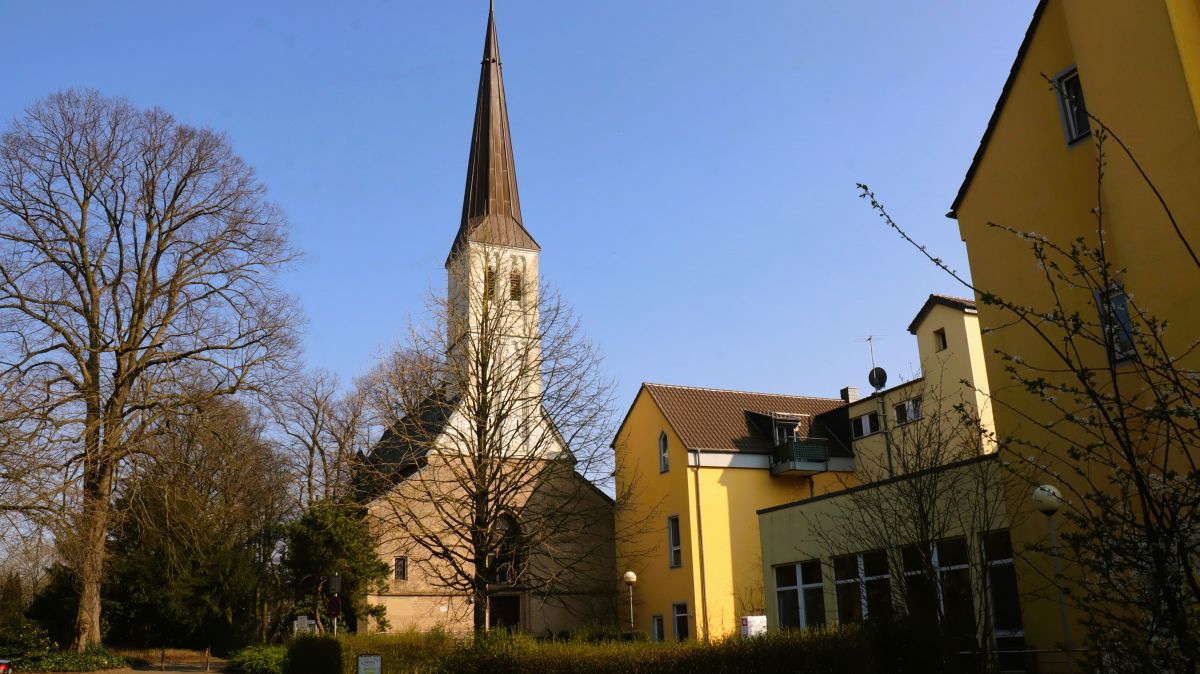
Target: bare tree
pixel 136 254
pixel 946 492
pixel 496 420
pixel 324 429
pixel 1112 401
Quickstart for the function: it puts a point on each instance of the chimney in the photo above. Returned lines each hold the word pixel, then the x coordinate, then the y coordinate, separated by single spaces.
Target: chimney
pixel 850 394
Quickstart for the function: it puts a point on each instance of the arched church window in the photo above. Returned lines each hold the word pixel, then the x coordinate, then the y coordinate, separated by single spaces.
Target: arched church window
pixel 489 282
pixel 516 286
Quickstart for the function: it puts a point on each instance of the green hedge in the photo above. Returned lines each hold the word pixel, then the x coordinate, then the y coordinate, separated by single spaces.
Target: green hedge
pixel 835 651
pixel 258 659
pixel 32 650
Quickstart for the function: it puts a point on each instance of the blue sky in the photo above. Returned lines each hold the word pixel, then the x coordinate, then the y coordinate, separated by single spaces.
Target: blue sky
pixel 688 167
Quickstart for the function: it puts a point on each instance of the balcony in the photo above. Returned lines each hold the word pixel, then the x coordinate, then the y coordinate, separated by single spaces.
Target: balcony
pixel 800 457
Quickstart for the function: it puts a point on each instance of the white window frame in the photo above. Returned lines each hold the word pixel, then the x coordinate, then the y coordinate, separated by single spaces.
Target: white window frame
pixel 862 578
pixel 862 423
pixel 658 627
pixel 1066 114
pixel 674 543
pixel 907 411
pixel 799 589
pixel 664 452
pixel 1117 325
pixel 1010 561
pixel 676 614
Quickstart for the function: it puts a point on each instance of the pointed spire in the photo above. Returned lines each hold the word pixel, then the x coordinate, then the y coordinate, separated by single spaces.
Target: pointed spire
pixel 491 208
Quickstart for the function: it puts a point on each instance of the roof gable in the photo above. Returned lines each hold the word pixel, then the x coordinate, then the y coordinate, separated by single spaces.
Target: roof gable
pixel 995 118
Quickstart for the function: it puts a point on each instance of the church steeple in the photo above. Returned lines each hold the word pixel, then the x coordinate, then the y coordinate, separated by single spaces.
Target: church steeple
pixel 491 208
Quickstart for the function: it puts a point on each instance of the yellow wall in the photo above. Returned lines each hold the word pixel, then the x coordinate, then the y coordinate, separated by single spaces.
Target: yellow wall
pixel 1139 66
pixel 940 387
pixel 645 498
pixel 810 530
pixel 729 497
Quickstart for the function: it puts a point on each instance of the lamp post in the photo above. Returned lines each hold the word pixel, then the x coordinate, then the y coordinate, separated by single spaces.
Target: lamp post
pixel 630 579
pixel 1047 500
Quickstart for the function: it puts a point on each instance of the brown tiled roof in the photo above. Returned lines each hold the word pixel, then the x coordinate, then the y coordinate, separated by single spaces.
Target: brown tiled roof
pixel 491 207
pixel 951 301
pixel 725 421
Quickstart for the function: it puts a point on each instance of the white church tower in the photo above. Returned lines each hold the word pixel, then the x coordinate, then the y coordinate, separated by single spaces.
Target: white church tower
pixel 492 267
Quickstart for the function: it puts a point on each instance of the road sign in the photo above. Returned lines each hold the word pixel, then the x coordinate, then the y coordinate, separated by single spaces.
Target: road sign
pixel 370 664
pixel 333 608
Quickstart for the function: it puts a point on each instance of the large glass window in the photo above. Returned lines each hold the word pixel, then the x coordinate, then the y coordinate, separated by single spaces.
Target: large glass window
pixel 800 595
pixel 674 542
pixel 1005 601
pixel 863 587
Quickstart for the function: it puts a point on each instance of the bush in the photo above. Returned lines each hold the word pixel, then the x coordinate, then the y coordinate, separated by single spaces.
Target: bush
pixel 313 655
pixel 259 659
pixel 94 658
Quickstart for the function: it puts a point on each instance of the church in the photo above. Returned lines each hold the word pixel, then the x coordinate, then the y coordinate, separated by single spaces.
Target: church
pixel 479 487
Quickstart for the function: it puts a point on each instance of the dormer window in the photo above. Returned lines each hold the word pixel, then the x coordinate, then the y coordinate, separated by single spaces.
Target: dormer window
pixel 785 433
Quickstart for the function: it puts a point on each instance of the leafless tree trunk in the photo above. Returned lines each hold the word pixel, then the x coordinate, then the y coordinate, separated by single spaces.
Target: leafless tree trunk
pixel 496 420
pixel 136 254
pixel 323 430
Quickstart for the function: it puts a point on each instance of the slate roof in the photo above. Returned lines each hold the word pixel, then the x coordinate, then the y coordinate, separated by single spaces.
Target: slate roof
pixel 962 303
pixel 491 206
pixel 402 449
pixel 717 420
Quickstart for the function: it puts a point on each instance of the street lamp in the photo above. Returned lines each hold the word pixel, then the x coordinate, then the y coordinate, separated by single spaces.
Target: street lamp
pixel 1047 500
pixel 630 579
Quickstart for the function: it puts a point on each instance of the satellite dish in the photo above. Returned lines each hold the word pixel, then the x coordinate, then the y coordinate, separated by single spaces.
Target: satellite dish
pixel 877 377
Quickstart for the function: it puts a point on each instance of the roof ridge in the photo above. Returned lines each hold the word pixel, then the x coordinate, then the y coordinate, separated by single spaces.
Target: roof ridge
pixel 726 390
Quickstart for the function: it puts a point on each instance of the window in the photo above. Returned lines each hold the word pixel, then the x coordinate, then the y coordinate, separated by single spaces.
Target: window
pixel 909 410
pixel 675 556
pixel 785 433
pixel 657 628
pixel 939 340
pixel 1071 105
pixel 1113 306
pixel 516 288
pixel 400 568
pixel 863 587
pixel 939 576
pixel 1005 601
pixel 679 616
pixel 800 595
pixel 489 282
pixel 664 458
pixel 864 425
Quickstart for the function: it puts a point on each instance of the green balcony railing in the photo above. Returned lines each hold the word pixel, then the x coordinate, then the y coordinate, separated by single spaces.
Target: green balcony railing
pixel 801 451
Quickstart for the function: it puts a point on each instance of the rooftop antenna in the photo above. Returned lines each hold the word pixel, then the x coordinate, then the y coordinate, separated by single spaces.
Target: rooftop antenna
pixel 878 379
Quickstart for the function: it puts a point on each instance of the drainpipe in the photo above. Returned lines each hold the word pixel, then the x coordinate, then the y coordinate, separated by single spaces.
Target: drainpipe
pixel 700 545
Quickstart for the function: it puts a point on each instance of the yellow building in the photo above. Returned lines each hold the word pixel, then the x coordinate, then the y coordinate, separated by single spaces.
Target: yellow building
pixel 693 466
pixel 951 353
pixel 1132 68
pixel 922 530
